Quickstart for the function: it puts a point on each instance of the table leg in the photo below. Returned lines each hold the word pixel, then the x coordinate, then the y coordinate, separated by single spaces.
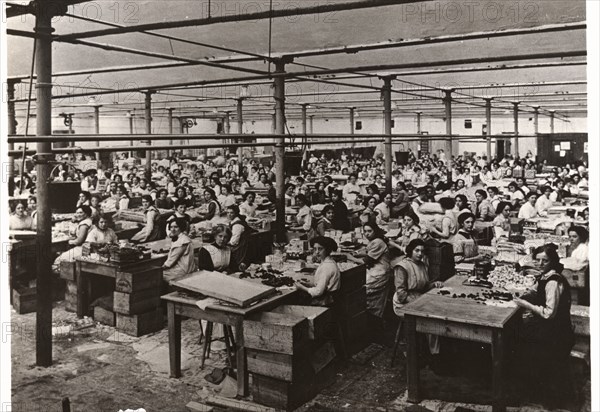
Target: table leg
pixel 498 379
pixel 82 291
pixel 174 321
pixel 412 364
pixel 242 368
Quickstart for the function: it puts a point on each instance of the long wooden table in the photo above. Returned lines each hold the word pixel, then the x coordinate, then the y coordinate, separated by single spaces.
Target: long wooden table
pixel 182 305
pixel 459 318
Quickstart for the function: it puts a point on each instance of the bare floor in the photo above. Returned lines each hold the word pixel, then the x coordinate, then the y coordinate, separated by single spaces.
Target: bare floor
pixel 99 369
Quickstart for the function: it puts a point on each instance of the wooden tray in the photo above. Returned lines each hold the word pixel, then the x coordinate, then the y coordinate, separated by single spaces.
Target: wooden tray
pixel 227 288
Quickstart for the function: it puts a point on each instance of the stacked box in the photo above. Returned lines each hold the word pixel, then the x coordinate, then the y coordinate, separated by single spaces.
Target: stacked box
pixel 288 354
pixel 352 309
pixel 441 260
pixel 136 301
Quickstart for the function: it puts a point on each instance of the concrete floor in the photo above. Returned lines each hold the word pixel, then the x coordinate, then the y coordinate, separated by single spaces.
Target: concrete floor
pixel 99 369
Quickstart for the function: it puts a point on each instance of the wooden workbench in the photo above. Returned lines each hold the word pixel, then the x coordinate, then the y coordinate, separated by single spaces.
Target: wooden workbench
pixel 459 318
pixel 183 305
pixel 84 269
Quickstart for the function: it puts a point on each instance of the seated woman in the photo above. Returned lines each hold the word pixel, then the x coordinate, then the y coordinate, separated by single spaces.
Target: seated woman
pixel 325 223
pixel 465 246
pixel 528 210
pixel 377 259
pixel 32 209
pixel 240 234
pixel 248 207
pixel 369 213
pixel 482 208
pixel 100 232
pixel 516 194
pixel 217 256
pixel 83 200
pixel 163 201
pixel 181 195
pixel 579 246
pixel 502 220
pixel 226 198
pixel 340 221
pixel 494 196
pixel 547 337
pixel 152 230
pixel 79 235
pixel 543 203
pixel 180 261
pixel 20 220
pixel 304 218
pixel 180 209
pixel 411 280
pixel 448 225
pixel 122 198
pixel 461 205
pixel 319 195
pixel 410 231
pixel 383 209
pixel 95 205
pixel 326 281
pixel 211 207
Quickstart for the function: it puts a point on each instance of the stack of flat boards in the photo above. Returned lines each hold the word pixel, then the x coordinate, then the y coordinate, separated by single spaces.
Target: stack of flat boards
pixel 229 289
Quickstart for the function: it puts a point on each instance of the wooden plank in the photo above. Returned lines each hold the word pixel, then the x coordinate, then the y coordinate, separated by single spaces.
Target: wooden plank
pixel 280 394
pixel 320 320
pixel 412 364
pixel 289 368
pixel 174 324
pixel 198 407
pixel 580 318
pixel 136 303
pixel 236 405
pixel 24 300
pixel 322 356
pixel 498 372
pixel 227 288
pixel 129 282
pixel 454 330
pixel 142 324
pixel 275 332
pixel 67 270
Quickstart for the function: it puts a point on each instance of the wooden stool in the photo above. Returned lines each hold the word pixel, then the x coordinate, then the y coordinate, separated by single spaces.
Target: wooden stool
pixel 228 338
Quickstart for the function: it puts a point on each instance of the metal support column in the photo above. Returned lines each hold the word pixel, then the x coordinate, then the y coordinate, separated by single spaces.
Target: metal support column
pixel 387 118
pixel 131 143
pixel 148 118
pixel 488 127
pixel 352 109
pixel 97 127
pixel 227 119
pixel 448 107
pixel 311 124
pixel 240 122
pixel 170 121
pixel 279 96
pixel 552 115
pixel 516 121
pixel 419 131
pixel 43 85
pixel 12 125
pixel 536 119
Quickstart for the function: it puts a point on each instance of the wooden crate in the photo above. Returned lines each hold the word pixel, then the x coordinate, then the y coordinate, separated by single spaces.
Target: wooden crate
pixel 580 318
pixel 141 324
pixel 289 368
pixel 353 303
pixel 320 320
pixel 576 279
pixel 24 300
pixel 356 332
pixel 130 282
pixel 281 394
pixel 353 279
pixel 441 259
pixel 276 332
pixel 104 316
pixel 67 270
pixel 136 303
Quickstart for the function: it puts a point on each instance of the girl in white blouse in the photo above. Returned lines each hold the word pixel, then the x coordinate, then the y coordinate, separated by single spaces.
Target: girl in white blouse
pixel 327 277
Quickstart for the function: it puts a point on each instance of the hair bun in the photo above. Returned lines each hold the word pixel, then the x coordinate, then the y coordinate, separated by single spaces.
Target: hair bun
pixel 552 246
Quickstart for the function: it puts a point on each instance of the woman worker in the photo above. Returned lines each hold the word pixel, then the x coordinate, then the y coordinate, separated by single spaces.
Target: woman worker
pixel 376 258
pixel 180 260
pixel 482 208
pixel 217 255
pixel 411 280
pixel 340 221
pixel 579 244
pixel 304 218
pixel 240 234
pixel 84 224
pixel 212 207
pixel 248 207
pixel 151 231
pixel 464 245
pixel 448 225
pixel 547 336
pixel 20 220
pixel 410 231
pixel 502 220
pixel 326 221
pixel 327 277
pixel 100 232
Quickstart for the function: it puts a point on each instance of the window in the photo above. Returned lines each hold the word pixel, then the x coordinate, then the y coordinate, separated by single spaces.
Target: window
pixel 358 125
pixel 468 124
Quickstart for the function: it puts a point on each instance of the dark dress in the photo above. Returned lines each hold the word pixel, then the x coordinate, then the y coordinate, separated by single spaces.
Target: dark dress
pixel 545 345
pixel 340 216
